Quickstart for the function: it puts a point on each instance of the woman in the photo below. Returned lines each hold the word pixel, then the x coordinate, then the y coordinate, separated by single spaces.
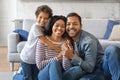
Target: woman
pixel 49 61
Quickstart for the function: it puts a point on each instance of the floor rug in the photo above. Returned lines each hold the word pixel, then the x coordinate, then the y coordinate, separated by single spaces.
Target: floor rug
pixel 6 75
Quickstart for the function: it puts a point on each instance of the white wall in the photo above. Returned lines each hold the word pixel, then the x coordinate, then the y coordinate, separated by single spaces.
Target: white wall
pixel 7 15
pixel 26 9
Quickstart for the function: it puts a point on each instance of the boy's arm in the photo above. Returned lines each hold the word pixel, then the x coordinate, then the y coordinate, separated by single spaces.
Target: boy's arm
pixel 49 44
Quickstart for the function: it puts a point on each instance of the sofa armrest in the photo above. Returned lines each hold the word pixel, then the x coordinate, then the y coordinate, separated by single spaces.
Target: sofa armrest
pixel 13 39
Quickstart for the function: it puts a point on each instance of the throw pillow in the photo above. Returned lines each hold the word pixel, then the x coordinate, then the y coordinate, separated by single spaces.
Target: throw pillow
pixel 110 25
pixel 115 34
pixel 22 33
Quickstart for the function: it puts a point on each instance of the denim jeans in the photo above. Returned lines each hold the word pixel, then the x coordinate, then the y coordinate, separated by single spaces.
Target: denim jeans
pixel 18 77
pixel 52 71
pixel 111 62
pixel 111 66
pixel 30 71
pixel 96 75
pixel 74 73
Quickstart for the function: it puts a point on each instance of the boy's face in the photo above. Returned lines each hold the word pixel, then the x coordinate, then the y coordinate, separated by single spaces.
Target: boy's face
pixel 42 19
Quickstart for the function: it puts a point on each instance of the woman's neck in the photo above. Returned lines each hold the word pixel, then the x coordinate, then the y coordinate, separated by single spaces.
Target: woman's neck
pixel 56 39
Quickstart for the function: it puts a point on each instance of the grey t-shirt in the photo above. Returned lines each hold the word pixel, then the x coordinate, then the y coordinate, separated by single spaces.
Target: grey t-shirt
pixel 28 52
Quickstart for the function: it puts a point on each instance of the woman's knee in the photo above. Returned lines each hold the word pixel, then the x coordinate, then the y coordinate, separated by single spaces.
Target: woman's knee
pixel 55 63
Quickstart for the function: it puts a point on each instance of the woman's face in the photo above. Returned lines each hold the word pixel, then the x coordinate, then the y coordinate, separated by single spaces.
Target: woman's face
pixel 58 28
pixel 42 19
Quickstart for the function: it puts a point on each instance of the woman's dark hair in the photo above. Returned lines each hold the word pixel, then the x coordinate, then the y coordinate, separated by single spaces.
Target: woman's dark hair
pixel 43 8
pixel 75 14
pixel 51 22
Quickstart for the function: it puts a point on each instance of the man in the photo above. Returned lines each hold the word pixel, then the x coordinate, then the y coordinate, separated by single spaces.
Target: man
pixel 88 55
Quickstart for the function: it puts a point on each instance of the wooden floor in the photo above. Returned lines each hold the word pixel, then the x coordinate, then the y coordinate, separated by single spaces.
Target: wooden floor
pixel 4 64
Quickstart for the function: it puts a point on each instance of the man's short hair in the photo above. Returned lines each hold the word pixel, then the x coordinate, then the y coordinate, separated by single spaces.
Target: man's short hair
pixel 75 14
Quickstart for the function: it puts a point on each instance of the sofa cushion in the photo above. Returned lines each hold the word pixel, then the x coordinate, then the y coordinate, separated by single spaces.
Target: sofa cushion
pixel 20 46
pixel 106 43
pixel 27 23
pixel 22 33
pixel 97 27
pixel 110 25
pixel 115 34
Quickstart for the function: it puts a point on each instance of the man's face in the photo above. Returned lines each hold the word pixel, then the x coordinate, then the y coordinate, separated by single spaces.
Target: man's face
pixel 73 26
pixel 42 18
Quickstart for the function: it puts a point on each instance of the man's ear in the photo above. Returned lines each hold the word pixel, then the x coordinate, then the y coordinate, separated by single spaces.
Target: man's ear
pixel 81 25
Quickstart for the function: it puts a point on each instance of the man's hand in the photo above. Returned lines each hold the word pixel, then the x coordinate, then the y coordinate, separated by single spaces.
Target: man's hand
pixel 59 57
pixel 67 50
pixel 68 53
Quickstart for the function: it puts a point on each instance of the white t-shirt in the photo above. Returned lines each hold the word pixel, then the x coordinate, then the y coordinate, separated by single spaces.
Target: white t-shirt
pixel 28 52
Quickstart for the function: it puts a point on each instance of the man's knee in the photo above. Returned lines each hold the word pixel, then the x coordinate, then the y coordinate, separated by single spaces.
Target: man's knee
pixel 73 73
pixel 112 48
pixel 112 51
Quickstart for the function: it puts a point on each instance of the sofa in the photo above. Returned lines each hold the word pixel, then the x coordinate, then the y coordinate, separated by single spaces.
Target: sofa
pixel 98 27
pixel 102 29
pixel 15 45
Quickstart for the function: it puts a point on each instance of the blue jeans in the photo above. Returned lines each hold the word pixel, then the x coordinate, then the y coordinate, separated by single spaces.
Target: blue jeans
pixel 96 75
pixel 30 71
pixel 111 62
pixel 17 77
pixel 52 71
pixel 74 73
pixel 111 66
